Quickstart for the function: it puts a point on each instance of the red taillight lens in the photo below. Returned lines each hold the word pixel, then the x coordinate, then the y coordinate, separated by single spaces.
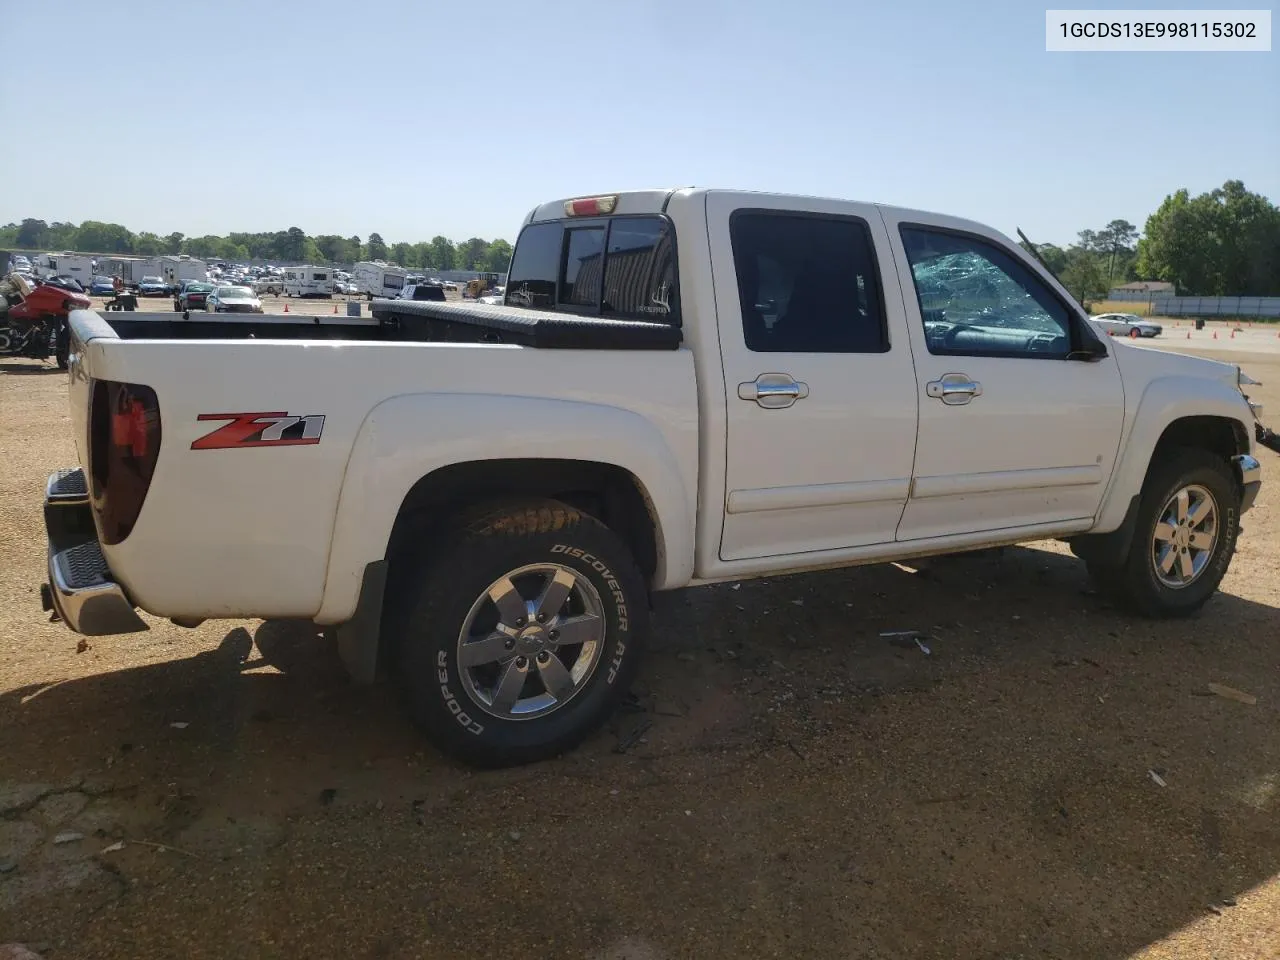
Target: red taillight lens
pixel 129 427
pixel 124 442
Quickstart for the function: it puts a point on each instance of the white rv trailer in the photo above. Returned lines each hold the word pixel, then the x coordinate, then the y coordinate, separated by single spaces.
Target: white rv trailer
pixel 173 270
pixel 130 270
pixel 65 265
pixel 308 281
pixel 375 278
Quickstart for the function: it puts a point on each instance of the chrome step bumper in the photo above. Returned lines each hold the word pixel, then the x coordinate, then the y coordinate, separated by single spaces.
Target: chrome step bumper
pixel 80 589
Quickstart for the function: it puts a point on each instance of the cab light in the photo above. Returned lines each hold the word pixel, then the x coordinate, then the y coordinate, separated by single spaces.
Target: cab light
pixel 590 206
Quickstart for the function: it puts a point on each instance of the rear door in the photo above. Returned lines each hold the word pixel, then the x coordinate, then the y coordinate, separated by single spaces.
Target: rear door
pixel 821 391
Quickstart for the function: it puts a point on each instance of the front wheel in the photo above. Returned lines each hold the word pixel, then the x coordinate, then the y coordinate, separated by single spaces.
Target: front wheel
pixel 519 634
pixel 1185 536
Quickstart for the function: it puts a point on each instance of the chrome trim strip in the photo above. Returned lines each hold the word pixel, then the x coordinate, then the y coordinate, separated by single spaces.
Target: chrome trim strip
pixel 1004 481
pixel 817 495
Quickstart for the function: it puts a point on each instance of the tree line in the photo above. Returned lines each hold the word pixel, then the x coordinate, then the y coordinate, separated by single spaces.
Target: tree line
pixel 1224 242
pixel 292 245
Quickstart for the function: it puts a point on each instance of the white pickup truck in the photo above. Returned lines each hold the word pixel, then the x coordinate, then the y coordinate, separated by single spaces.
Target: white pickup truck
pixel 682 387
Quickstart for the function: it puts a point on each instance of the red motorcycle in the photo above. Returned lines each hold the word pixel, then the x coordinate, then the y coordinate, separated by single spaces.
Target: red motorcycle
pixel 35 322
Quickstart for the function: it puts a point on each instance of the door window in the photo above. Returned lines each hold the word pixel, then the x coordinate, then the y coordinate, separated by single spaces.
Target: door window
pixel 807 284
pixel 979 300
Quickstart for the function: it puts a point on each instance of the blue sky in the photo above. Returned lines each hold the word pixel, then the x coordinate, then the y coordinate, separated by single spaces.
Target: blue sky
pixel 415 118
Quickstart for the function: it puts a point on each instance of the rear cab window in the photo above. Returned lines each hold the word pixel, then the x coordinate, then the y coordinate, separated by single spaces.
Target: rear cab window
pixel 616 268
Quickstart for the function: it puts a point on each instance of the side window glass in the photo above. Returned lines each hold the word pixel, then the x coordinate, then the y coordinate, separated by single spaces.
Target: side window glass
pixel 535 267
pixel 807 284
pixel 976 299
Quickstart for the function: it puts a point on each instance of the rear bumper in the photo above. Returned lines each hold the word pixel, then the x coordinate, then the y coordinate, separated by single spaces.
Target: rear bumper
pixel 80 589
pixel 1249 473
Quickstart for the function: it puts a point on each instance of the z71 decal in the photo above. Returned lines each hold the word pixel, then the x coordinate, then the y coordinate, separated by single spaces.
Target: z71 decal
pixel 260 430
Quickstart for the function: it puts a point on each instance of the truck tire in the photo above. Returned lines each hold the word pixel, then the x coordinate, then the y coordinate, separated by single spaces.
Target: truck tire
pixel 1187 526
pixel 517 635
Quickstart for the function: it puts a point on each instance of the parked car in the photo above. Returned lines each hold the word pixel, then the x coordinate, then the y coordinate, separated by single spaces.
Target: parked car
pixel 266 284
pixel 422 291
pixel 510 486
pixel 1127 325
pixel 102 287
pixel 66 282
pixel 153 287
pixel 191 295
pixel 232 299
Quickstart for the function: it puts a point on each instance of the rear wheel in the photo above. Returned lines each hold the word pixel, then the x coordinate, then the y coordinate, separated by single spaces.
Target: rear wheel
pixel 1188 522
pixel 517 637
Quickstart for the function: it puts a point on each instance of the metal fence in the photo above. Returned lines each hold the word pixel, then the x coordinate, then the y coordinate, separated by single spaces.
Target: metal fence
pixel 1216 306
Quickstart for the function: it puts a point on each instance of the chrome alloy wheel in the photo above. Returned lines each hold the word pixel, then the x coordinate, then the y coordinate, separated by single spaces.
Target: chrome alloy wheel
pixel 1185 537
pixel 531 641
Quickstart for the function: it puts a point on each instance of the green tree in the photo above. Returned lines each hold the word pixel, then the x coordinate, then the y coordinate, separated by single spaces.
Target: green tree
pixel 333 249
pixel 403 254
pixel 97 237
pixel 443 254
pixel 147 244
pixel 62 236
pixel 498 257
pixel 355 249
pixel 424 255
pixel 292 245
pixel 173 243
pixel 1222 243
pixel 471 254
pixel 1119 237
pixel 205 248
pixel 377 247
pixel 32 235
pixel 1082 275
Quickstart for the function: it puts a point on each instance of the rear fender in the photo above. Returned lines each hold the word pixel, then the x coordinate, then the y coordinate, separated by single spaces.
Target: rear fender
pixel 406 438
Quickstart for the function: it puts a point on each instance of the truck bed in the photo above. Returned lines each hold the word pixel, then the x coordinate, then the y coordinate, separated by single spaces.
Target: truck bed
pixel 407 321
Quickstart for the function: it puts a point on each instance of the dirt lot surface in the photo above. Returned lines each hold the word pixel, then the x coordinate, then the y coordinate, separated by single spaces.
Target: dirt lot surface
pixel 1052 780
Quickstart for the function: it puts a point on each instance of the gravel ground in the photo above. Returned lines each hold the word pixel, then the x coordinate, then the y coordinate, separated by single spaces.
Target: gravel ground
pixel 1053 780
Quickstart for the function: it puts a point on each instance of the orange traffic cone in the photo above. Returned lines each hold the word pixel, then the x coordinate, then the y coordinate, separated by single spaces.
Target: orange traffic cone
pixel 1188 334
pixel 335 308
pixel 286 310
pixel 1215 334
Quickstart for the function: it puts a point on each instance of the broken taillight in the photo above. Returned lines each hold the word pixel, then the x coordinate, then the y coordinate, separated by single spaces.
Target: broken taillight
pixel 124 443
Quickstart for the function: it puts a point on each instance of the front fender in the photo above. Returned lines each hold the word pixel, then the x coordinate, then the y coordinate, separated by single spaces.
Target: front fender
pixel 1164 401
pixel 406 438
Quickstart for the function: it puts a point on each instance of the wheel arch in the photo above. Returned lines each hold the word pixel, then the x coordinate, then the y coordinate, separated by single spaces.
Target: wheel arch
pixel 1223 434
pixel 612 494
pixel 423 455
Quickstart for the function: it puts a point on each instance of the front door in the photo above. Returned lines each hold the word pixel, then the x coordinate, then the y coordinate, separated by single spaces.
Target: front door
pixel 1016 429
pixel 819 383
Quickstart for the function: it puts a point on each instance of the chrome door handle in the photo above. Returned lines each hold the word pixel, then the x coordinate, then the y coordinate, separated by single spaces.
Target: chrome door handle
pixel 954 389
pixel 773 391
